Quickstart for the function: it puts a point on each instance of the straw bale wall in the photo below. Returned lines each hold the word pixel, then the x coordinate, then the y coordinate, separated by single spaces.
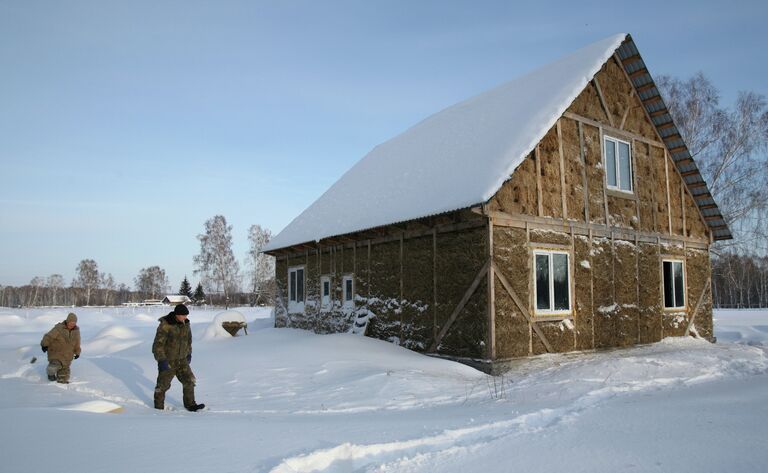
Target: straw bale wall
pixel 595 173
pixel 645 186
pixel 519 195
pixel 588 105
pixel 512 258
pixel 574 170
pixel 583 308
pixel 549 153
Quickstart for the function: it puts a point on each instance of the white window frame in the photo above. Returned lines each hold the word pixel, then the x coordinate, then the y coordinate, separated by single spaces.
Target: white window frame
pixel 664 282
pixel 325 299
pixel 294 304
pixel 348 302
pixel 551 283
pixel 615 141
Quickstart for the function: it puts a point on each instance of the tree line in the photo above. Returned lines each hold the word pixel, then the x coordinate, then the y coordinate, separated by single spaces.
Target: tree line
pixel 220 278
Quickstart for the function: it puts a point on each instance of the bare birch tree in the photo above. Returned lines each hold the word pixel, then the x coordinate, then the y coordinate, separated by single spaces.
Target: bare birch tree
pixel 87 278
pixel 729 146
pixel 109 287
pixel 261 267
pixel 216 263
pixel 55 284
pixel 151 281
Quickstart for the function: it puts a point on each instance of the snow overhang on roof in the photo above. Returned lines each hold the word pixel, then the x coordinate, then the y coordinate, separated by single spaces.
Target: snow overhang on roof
pixel 461 156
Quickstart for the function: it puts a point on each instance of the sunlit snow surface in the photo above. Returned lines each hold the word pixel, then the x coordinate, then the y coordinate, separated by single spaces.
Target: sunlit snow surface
pixel 288 400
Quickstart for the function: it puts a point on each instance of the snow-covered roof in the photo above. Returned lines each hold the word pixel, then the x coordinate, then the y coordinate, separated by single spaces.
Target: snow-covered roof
pixel 176 299
pixel 454 159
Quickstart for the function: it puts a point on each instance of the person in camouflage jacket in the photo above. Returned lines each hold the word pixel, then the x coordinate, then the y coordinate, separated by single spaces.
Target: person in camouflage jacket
pixel 62 343
pixel 173 352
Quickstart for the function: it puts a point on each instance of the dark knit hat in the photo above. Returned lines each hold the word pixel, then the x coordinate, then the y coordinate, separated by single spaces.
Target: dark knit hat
pixel 71 317
pixel 181 309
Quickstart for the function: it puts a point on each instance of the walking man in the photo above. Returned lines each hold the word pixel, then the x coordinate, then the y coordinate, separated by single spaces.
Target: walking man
pixel 173 352
pixel 62 343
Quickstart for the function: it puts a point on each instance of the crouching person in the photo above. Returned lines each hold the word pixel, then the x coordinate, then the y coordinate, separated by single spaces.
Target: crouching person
pixel 62 344
pixel 173 352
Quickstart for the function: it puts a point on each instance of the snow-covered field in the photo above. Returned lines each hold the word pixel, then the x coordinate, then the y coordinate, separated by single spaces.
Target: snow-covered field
pixel 286 400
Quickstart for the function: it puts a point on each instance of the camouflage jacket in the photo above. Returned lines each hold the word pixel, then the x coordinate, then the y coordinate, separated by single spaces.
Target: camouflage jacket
pixel 173 340
pixel 63 344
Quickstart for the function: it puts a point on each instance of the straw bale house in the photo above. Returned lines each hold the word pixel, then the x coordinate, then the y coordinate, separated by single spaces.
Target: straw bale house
pixel 558 212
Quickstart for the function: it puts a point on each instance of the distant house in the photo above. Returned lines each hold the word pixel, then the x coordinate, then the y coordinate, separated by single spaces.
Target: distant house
pixel 561 211
pixel 174 299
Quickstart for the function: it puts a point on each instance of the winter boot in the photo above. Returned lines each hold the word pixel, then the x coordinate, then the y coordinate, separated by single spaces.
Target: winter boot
pixel 159 400
pixel 195 407
pixel 54 366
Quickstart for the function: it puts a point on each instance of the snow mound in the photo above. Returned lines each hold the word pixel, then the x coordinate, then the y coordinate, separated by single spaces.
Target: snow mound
pixel 215 329
pixel 98 407
pixel 7 321
pixel 145 318
pixel 112 340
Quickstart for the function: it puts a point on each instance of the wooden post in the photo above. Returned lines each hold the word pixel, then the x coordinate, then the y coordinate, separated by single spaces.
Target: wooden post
pixel 661 285
pixel 434 281
pixel 584 172
pixel 682 206
pixel 637 283
pixel 666 177
pixel 491 296
pixel 605 178
pixel 572 272
pixel 537 156
pixel 401 288
pixel 592 287
pixel 531 275
pixel 562 170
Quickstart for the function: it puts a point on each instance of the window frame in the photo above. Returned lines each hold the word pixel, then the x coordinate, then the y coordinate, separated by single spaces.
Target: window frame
pixel 551 283
pixel 293 302
pixel 617 187
pixel 325 304
pixel 348 304
pixel 684 306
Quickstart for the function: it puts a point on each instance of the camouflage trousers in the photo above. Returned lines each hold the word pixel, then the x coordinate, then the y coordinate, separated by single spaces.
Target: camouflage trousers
pixel 181 370
pixel 58 370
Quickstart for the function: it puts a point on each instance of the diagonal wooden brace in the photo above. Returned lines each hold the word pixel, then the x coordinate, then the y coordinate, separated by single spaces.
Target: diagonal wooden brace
pixel 522 308
pixel 472 288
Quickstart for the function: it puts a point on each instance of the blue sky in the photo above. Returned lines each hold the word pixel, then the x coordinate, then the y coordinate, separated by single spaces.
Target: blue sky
pixel 124 126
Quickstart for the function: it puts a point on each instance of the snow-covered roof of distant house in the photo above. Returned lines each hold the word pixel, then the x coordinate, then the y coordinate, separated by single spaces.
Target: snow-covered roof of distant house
pixel 176 299
pixel 455 159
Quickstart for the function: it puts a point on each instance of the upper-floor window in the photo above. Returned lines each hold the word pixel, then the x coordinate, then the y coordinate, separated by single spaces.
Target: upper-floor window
pixel 618 164
pixel 325 292
pixel 553 282
pixel 348 285
pixel 674 284
pixel 296 289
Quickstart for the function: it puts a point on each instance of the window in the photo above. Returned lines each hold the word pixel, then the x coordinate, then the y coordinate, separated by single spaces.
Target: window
pixel 553 282
pixel 349 291
pixel 296 289
pixel 674 285
pixel 618 165
pixel 325 292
